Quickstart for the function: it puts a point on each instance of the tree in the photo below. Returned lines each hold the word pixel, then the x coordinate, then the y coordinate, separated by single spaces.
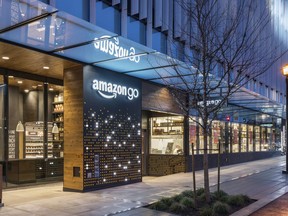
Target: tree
pixel 227 44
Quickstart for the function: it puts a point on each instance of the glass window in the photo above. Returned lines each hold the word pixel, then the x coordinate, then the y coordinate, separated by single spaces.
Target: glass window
pixel 108 17
pixel 243 138
pixel 192 136
pixel 177 50
pixel 26 116
pixel 11 143
pixel 159 41
pixel 76 8
pixel 136 30
pixel 217 136
pixel 167 135
pixel 235 137
pixel 56 119
pixel 250 138
pixel 257 138
pixel 264 143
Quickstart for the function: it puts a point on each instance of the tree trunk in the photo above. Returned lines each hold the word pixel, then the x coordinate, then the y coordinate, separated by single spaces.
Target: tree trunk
pixel 205 164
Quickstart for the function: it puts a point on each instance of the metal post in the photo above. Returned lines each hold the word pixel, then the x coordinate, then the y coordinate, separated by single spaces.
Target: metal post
pixel 286 132
pixel 218 180
pixel 194 178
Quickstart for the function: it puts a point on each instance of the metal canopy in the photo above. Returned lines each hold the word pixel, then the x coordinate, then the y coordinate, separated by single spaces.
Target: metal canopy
pixel 35 25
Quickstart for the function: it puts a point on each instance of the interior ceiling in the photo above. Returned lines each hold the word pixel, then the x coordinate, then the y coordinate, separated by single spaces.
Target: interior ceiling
pixel 30 61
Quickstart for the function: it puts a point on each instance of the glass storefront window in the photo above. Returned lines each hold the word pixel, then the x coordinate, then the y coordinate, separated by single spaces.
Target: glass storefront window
pixel 167 135
pixel 257 138
pixel 26 109
pixel 192 136
pixel 235 137
pixel 250 138
pixel 264 143
pixel 217 131
pixel 243 138
pixel 11 144
pixel 56 118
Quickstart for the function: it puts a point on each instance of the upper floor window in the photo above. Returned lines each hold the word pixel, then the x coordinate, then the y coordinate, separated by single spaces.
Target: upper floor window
pixel 136 30
pixel 108 17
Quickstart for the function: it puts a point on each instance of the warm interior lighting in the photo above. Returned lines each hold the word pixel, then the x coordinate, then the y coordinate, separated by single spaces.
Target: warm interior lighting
pixel 55 129
pixel 19 81
pixel 285 70
pixel 26 90
pixel 19 127
pixel 46 68
pixel 51 89
pixel 11 77
pixel 5 58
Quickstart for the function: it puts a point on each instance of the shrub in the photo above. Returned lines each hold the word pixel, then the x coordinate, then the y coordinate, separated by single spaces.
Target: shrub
pixel 220 196
pixel 188 193
pixel 220 208
pixel 237 200
pixel 177 198
pixel 200 191
pixel 166 201
pixel 206 211
pixel 177 208
pixel 202 197
pixel 187 202
pixel 160 206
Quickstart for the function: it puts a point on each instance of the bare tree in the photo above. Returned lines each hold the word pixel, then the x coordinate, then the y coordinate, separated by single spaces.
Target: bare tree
pixel 228 43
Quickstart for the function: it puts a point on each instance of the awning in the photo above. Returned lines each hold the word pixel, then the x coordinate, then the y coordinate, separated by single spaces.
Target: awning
pixel 38 26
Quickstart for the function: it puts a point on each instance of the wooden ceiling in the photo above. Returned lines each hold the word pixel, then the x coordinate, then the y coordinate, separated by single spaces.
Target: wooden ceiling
pixel 30 61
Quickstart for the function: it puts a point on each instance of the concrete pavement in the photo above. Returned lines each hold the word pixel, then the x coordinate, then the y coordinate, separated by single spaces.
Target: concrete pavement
pixel 262 180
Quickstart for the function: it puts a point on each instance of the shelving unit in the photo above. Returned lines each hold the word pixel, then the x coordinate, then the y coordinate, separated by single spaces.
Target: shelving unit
pixel 58 139
pixel 34 140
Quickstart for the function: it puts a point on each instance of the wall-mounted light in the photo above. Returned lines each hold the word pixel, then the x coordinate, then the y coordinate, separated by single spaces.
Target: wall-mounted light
pixel 19 127
pixel 55 129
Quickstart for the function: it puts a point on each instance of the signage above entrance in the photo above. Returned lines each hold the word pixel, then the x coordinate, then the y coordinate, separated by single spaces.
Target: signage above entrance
pixel 111 90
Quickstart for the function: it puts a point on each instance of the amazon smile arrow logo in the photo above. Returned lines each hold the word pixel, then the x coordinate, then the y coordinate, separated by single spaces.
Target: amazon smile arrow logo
pixel 113 90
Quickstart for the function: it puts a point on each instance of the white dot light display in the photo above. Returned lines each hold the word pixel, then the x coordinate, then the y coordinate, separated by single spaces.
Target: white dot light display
pixel 111 155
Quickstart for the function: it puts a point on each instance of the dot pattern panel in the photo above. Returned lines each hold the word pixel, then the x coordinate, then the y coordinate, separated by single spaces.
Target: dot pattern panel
pixel 112 141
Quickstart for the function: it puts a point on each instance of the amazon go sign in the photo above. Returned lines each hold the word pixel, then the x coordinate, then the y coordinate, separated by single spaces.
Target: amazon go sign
pixel 111 90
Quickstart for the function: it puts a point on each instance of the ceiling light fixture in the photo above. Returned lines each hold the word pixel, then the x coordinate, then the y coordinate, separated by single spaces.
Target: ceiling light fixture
pixel 19 81
pixel 46 68
pixel 5 58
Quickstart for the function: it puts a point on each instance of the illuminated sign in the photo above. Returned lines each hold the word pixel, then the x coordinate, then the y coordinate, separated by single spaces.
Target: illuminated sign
pixel 111 90
pixel 113 48
pixel 209 103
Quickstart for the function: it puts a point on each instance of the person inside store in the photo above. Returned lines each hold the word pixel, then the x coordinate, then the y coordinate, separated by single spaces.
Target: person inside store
pixel 178 150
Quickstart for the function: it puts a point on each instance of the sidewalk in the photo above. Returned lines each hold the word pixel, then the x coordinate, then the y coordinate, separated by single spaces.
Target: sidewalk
pixel 258 179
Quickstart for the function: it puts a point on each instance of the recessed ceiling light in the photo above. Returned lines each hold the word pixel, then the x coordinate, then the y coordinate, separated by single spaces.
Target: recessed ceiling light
pixel 46 68
pixel 11 77
pixel 5 57
pixel 26 90
pixel 39 85
pixel 34 87
pixel 19 81
pixel 51 89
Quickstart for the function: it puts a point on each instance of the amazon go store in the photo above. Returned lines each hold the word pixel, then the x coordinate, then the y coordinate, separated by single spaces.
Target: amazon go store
pixel 97 120
pixel 86 106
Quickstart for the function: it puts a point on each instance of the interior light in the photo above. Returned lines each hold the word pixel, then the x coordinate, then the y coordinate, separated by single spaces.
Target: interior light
pixel 26 90
pixel 55 129
pixel 5 58
pixel 46 68
pixel 11 77
pixel 19 127
pixel 19 81
pixel 39 85
pixel 51 89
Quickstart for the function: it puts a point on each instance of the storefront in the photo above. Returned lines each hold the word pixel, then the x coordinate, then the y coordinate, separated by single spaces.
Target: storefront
pixel 97 121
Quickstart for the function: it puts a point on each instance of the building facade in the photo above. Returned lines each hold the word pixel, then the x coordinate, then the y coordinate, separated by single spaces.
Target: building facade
pixel 80 97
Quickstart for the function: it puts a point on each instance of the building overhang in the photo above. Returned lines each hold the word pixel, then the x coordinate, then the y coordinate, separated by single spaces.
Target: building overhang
pixel 38 26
